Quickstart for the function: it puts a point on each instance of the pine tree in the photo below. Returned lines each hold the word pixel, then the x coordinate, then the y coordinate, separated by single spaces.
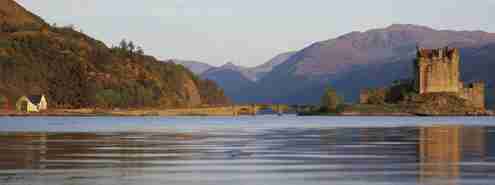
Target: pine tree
pixel 123 45
pixel 131 47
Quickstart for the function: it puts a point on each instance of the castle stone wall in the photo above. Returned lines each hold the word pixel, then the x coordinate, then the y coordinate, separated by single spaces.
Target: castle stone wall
pixel 475 94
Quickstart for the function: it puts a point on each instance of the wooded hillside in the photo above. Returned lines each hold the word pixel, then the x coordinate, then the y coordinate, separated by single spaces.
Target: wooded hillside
pixel 74 70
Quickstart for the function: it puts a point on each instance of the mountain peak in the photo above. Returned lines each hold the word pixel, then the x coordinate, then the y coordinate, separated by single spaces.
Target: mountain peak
pixel 229 64
pixel 379 45
pixel 358 35
pixel 406 27
pixel 232 66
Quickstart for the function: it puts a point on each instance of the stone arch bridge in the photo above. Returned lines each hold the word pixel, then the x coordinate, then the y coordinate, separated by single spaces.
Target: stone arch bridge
pixel 254 109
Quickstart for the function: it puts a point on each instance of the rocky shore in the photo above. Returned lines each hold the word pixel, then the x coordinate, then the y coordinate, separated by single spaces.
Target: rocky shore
pixel 396 114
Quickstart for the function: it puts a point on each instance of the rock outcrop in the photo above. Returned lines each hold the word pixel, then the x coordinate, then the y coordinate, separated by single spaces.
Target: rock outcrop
pixel 443 104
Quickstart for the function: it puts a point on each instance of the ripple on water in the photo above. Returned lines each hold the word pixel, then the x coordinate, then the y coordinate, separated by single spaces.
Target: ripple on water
pixel 247 153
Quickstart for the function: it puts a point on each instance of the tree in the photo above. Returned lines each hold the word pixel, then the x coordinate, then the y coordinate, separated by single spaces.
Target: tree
pixel 131 47
pixel 211 94
pixel 377 96
pixel 3 102
pixel 4 27
pixel 108 98
pixel 123 45
pixel 144 96
pixel 330 100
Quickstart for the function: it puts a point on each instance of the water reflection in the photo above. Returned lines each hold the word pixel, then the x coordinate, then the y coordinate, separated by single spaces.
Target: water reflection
pixel 440 152
pixel 402 155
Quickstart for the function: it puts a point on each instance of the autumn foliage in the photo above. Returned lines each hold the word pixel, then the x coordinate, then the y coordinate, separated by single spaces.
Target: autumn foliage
pixel 75 71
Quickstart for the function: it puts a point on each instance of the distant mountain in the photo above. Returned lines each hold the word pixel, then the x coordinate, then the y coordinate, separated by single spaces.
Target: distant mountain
pixel 251 73
pixel 366 59
pixel 378 46
pixel 237 81
pixel 232 79
pixel 260 71
pixel 357 60
pixel 196 67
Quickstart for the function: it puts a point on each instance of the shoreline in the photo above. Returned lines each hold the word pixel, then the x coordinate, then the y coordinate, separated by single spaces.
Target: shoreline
pixel 397 114
pixel 206 112
pixel 221 111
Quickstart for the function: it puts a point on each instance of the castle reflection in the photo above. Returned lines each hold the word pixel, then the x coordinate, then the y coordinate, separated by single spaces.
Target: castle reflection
pixel 440 153
pixel 444 149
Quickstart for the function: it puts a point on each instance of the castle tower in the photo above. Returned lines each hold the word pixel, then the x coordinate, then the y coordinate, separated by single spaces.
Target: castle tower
pixel 437 70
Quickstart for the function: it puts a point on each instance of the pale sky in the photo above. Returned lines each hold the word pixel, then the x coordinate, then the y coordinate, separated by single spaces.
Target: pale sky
pixel 250 32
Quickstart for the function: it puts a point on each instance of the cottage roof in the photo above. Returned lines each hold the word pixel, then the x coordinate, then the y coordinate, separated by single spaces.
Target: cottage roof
pixel 35 99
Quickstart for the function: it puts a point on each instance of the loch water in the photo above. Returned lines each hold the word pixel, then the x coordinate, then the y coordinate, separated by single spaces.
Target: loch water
pixel 260 150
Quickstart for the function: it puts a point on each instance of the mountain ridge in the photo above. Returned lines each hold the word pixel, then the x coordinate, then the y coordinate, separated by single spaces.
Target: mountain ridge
pixel 237 80
pixel 373 58
pixel 395 44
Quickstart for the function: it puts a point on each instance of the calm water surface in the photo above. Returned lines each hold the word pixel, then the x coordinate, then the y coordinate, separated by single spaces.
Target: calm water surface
pixel 266 150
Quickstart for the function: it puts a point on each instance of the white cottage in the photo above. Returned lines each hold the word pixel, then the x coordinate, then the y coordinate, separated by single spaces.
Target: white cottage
pixel 34 103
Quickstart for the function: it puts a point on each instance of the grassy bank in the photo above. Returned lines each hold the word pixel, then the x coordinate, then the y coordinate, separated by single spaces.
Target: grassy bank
pixel 213 111
pixel 364 110
pixel 374 109
pixel 391 110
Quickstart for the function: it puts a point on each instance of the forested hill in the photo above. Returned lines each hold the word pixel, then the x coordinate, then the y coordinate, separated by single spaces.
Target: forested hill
pixel 74 70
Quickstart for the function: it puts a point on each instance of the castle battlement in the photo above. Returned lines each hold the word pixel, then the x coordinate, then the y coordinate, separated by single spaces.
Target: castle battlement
pixel 438 54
